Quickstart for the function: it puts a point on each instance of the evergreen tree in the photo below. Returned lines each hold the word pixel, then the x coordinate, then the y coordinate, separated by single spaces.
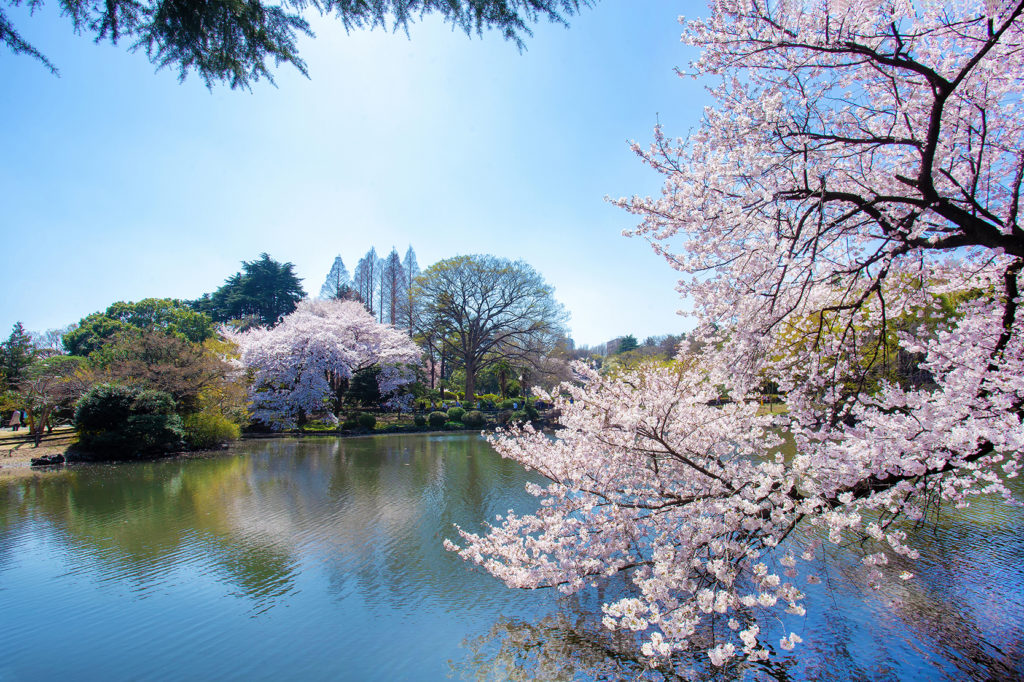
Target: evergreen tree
pixel 627 343
pixel 232 42
pixel 265 290
pixel 16 354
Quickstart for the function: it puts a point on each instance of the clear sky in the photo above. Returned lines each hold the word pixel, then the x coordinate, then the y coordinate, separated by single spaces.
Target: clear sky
pixel 120 183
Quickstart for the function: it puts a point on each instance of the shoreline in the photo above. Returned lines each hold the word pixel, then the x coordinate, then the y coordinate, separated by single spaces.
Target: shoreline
pixel 17 451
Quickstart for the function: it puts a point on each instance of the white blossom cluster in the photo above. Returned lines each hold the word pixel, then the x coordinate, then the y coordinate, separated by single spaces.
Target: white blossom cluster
pixel 297 365
pixel 847 213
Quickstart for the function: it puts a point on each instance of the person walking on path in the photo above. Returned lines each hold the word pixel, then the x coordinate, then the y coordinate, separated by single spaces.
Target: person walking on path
pixel 15 420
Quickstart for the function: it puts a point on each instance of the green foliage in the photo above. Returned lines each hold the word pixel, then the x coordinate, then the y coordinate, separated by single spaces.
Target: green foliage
pixel 206 430
pixel 454 426
pixel 16 354
pixel 92 333
pixel 264 290
pixel 474 419
pixel 513 389
pixel 232 42
pixel 455 414
pixel 520 416
pixel 437 419
pixel 531 412
pixel 366 421
pixel 363 387
pixel 504 416
pixel 165 315
pixel 627 343
pixel 117 421
pixel 419 420
pixel 10 401
pixel 507 404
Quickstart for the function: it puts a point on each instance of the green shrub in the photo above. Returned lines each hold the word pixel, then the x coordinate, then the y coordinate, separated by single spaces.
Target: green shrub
pixel 520 416
pixel 531 412
pixel 506 404
pixel 504 416
pixel 454 426
pixel 366 421
pixel 455 414
pixel 474 419
pixel 437 419
pixel 207 430
pixel 363 387
pixel 419 420
pixel 117 421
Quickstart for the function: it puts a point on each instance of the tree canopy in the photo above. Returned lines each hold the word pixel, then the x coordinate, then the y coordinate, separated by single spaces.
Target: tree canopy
pixel 232 41
pixel 16 354
pixel 487 308
pixel 264 291
pixel 165 315
pixel 860 173
pixel 302 366
pixel 338 283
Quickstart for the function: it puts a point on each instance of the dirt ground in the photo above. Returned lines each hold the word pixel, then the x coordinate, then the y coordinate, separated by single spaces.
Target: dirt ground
pixel 17 450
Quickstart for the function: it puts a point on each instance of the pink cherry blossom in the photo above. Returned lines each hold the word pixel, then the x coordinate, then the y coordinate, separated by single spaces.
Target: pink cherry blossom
pixel 849 209
pixel 298 366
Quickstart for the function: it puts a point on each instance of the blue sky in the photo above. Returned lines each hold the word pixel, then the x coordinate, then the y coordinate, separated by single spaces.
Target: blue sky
pixel 121 183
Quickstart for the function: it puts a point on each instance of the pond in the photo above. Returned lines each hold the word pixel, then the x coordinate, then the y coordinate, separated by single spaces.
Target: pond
pixel 321 559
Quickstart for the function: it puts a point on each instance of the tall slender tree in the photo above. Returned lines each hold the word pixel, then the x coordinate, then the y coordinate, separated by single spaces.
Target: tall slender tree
pixel 393 276
pixel 338 282
pixel 366 276
pixel 16 354
pixel 381 294
pixel 409 308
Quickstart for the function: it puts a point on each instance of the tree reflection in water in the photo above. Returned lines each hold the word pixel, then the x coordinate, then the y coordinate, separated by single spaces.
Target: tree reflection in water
pixel 329 553
pixel 571 644
pixel 957 619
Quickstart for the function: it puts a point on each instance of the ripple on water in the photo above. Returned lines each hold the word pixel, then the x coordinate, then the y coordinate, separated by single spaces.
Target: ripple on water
pixel 323 560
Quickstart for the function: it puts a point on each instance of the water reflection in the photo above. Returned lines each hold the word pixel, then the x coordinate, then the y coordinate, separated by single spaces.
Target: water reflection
pixel 322 559
pixel 327 551
pixel 958 619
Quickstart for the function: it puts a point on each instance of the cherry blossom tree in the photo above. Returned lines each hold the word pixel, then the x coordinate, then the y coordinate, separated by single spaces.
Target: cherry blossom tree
pixel 303 365
pixel 854 192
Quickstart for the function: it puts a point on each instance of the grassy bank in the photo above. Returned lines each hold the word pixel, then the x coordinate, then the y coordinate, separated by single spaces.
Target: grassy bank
pixel 17 449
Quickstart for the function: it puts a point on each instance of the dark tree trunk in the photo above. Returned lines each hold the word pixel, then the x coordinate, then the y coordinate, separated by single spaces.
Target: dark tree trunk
pixel 470 381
